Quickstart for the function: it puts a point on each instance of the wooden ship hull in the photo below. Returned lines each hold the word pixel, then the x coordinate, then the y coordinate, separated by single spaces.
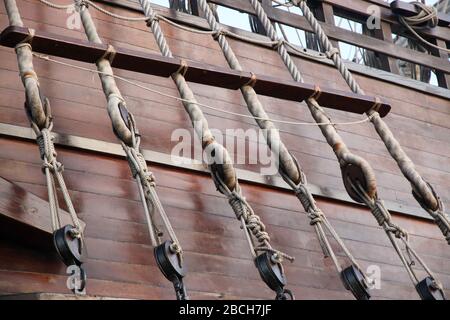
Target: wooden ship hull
pixel 119 261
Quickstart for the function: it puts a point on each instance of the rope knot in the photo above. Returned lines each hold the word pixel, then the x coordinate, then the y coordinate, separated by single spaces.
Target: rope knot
pixel 237 203
pixel 332 52
pixel 219 32
pixel 278 43
pixel 153 17
pixel 380 212
pixel 316 217
pixel 46 146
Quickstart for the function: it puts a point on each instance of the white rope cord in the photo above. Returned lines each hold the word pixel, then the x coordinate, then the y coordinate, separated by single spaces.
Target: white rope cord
pixel 274 44
pixel 47 58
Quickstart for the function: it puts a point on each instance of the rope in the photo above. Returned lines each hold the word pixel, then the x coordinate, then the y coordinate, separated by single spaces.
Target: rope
pixel 422 190
pixel 299 51
pixel 383 218
pixel 289 169
pixel 126 80
pixel 367 195
pixel 126 131
pixel 41 121
pixel 222 170
pixel 427 17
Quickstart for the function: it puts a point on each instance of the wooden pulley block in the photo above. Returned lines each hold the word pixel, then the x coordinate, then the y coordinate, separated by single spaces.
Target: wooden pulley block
pixel 169 262
pixel 354 281
pixel 68 245
pixel 428 290
pixel 270 272
pixel 353 173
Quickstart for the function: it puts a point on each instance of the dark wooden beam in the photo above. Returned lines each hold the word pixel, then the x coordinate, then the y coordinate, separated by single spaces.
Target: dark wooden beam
pixel 153 64
pixel 25 218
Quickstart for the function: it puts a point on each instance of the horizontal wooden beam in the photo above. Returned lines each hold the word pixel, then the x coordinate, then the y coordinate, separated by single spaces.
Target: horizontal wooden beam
pixel 360 8
pixel 360 40
pixel 408 9
pixel 25 218
pixel 201 24
pixel 167 160
pixel 153 64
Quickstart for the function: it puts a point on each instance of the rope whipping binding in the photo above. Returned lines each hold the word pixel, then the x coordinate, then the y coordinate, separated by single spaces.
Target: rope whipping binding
pixel 168 254
pixel 358 175
pixel 224 174
pixel 68 239
pixel 290 170
pixel 422 191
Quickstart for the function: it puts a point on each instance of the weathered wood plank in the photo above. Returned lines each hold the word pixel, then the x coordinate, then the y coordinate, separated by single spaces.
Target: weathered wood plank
pixel 25 218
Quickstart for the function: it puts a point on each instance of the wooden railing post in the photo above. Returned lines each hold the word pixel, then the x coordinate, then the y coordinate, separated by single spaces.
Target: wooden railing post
pixel 385 34
pixel 443 77
pixel 328 17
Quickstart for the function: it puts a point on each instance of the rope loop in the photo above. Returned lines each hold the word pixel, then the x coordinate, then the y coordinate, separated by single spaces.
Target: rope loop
pixel 28 39
pixel 316 94
pixel 109 55
pixel 252 81
pixel 183 68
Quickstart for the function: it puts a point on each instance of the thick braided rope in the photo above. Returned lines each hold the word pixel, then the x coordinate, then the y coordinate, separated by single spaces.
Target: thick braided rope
pixel 222 169
pixel 429 199
pixel 126 131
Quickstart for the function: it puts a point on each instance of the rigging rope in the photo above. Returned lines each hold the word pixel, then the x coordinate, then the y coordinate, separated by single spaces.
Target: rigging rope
pixel 222 170
pixel 125 129
pixel 426 17
pixel 299 51
pixel 39 113
pixel 289 167
pixel 423 192
pixel 364 193
pixel 138 85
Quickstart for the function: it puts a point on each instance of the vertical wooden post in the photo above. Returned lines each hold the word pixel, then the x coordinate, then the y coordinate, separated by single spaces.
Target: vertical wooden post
pixel 194 7
pixel 328 17
pixel 385 34
pixel 443 78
